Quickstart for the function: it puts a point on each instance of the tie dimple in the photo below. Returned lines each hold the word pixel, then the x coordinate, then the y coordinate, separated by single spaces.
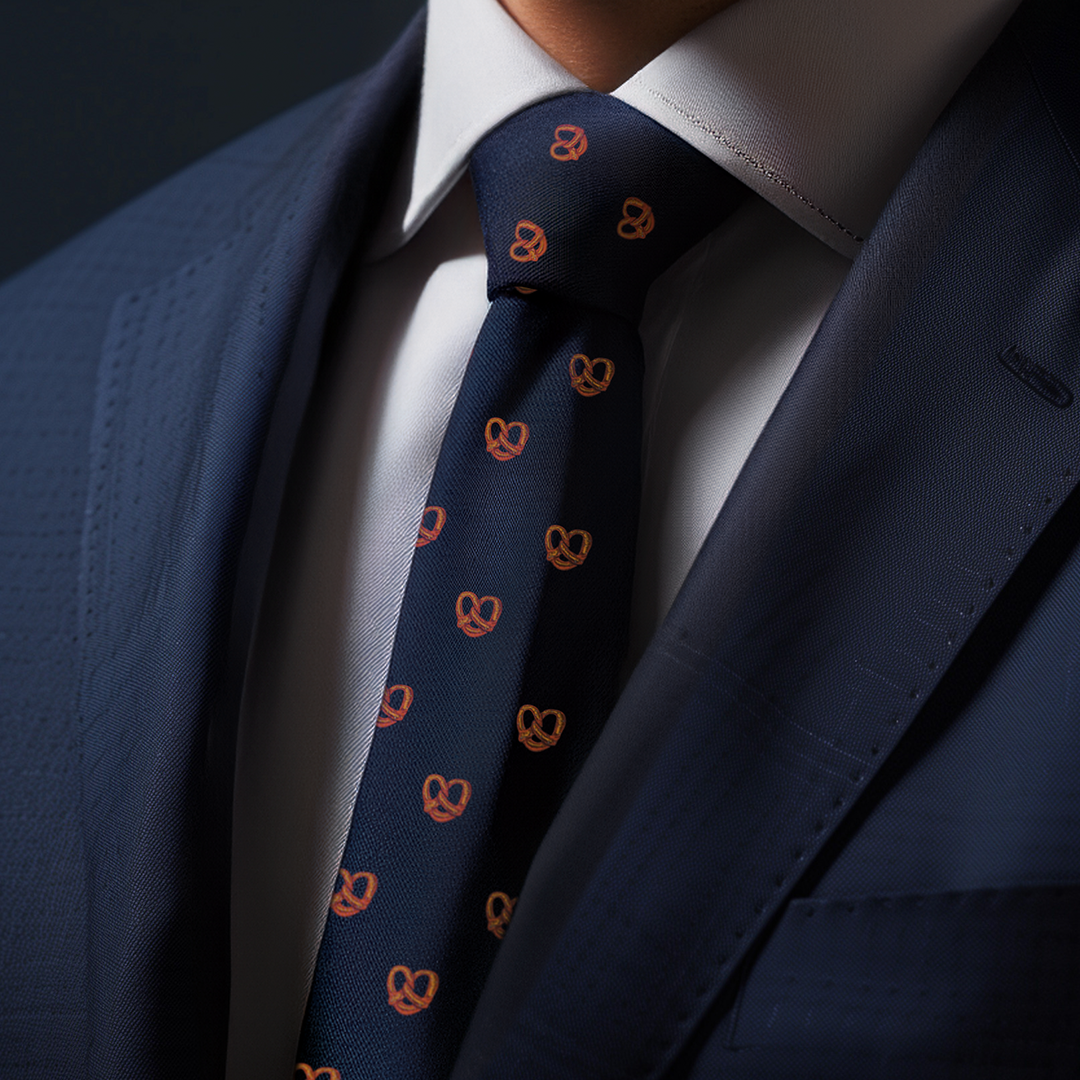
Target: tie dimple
pixel 514 619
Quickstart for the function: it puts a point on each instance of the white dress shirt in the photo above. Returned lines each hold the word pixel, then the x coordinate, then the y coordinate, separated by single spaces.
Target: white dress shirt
pixel 818 108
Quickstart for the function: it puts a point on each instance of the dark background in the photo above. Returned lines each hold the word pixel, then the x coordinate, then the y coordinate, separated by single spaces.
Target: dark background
pixel 99 99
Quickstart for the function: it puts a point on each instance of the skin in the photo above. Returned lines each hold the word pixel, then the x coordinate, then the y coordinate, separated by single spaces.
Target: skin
pixel 603 42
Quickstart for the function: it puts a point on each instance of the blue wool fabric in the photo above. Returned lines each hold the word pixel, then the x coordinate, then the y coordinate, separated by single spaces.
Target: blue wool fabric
pixel 514 619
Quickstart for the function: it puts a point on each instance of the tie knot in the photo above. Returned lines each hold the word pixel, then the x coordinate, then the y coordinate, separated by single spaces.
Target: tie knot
pixel 584 197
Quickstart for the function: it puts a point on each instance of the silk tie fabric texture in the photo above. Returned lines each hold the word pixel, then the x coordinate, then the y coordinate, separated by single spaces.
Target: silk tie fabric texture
pixel 514 620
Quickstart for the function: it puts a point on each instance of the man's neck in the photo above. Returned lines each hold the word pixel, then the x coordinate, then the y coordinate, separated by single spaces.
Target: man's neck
pixel 603 42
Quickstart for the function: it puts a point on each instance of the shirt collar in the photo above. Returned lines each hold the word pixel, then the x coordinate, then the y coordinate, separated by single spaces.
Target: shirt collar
pixel 819 108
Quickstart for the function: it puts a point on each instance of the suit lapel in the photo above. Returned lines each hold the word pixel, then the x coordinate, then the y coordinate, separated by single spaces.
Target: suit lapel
pixel 203 381
pixel 926 439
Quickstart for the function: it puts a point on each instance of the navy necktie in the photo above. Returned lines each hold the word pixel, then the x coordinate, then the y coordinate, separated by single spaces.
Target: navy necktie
pixel 514 620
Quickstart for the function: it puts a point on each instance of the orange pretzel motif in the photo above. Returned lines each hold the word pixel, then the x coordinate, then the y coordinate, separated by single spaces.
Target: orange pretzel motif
pixel 499 920
pixel 309 1073
pixel 533 735
pixel 570 143
pixel 636 226
pixel 431 532
pixel 391 714
pixel 497 437
pixel 559 554
pixel 346 902
pixel 529 242
pixel 438 807
pixel 405 999
pixel 472 622
pixel 585 381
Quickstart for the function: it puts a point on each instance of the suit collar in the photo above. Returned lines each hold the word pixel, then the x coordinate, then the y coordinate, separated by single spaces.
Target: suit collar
pixel 902 478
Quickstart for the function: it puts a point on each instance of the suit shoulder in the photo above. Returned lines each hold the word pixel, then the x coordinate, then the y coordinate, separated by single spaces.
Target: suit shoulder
pixel 238 193
pixel 189 211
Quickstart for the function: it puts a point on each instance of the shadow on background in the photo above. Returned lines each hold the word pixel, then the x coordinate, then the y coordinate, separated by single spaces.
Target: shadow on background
pixel 103 98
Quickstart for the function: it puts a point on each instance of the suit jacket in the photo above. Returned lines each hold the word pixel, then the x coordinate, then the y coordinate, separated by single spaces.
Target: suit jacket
pixel 831 828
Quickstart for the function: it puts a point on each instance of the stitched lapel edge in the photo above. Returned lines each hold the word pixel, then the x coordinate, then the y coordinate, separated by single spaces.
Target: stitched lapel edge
pixel 157 704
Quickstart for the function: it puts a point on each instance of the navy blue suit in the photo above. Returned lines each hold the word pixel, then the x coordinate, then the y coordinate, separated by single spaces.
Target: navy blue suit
pixel 832 828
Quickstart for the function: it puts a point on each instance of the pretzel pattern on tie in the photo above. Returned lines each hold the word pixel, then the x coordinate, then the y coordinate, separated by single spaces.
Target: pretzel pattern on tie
pixel 404 998
pixel 637 220
pixel 438 806
pixel 390 714
pixel 430 532
pixel 497 437
pixel 470 616
pixel 498 910
pixel 532 734
pixel 570 143
pixel 583 379
pixel 530 242
pixel 559 552
pixel 345 902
